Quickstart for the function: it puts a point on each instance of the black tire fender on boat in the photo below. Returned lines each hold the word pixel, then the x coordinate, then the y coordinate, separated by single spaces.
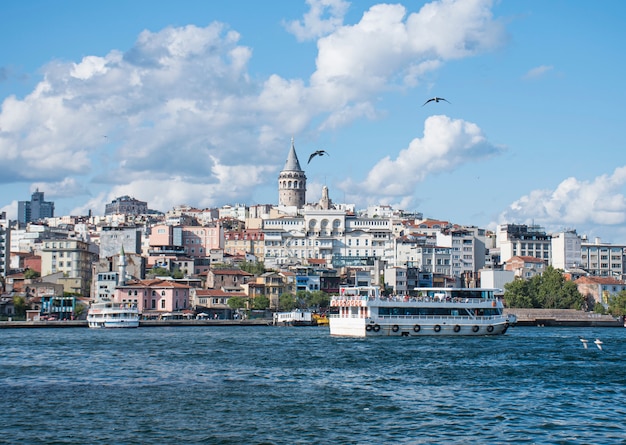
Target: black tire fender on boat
pixel 416 328
pixel 475 328
pixel 368 327
pixel 437 328
pixel 489 328
pixel 375 328
pixel 457 328
pixel 395 328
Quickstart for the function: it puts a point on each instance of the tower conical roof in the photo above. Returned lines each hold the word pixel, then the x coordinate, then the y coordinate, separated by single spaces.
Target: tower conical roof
pixel 292 163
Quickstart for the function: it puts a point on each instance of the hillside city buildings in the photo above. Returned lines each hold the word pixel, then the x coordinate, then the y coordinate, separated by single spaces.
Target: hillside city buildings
pixel 185 260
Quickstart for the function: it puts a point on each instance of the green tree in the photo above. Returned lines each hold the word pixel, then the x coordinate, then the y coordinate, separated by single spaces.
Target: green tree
pixel 253 267
pixel 550 290
pixel 319 299
pixel 260 303
pixel 617 304
pixel 160 272
pixel 302 299
pixel 516 294
pixel 30 274
pixel 237 302
pixel 286 302
pixel 20 305
pixel 178 274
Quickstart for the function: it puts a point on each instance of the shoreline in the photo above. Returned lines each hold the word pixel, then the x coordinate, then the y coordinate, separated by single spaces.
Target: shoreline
pixel 142 323
pixel 521 322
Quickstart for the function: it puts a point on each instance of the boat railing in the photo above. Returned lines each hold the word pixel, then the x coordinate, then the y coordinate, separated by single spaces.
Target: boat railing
pixel 424 299
pixel 439 317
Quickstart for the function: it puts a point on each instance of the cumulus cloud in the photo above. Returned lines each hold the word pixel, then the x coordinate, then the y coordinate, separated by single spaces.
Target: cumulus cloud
pixel 447 143
pixel 324 17
pixel 538 71
pixel 178 117
pixel 573 202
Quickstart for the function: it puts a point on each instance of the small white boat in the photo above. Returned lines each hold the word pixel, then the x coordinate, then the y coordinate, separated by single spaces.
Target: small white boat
pixel 363 312
pixel 107 314
pixel 294 318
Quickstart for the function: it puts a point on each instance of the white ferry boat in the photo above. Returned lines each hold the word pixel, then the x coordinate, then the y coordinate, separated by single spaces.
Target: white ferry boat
pixel 294 318
pixel 106 314
pixel 363 312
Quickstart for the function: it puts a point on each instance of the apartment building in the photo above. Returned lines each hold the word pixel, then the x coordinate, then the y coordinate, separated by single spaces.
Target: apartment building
pixel 5 246
pixel 602 259
pixel 73 258
pixel 523 240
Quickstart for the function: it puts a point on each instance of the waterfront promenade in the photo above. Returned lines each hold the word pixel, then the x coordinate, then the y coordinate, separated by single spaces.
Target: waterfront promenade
pixel 142 323
pixel 525 317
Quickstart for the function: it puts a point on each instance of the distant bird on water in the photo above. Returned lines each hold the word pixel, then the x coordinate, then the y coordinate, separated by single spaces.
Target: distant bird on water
pixel 317 153
pixel 436 99
pixel 598 343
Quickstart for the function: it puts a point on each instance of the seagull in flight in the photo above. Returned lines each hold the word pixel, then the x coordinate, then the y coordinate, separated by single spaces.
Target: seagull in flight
pixel 317 153
pixel 584 341
pixel 598 343
pixel 436 99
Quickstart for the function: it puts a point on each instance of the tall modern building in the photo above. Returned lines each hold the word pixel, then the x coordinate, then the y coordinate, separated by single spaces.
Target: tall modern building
pixel 5 244
pixel 292 182
pixel 35 209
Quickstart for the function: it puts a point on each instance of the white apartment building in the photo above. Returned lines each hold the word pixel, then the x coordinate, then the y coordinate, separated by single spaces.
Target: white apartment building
pixel 566 250
pixel 5 245
pixel 522 240
pixel 602 259
pixel 71 257
pixel 467 249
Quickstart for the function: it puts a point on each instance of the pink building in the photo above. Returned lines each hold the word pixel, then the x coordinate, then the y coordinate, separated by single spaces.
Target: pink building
pixel 192 241
pixel 154 297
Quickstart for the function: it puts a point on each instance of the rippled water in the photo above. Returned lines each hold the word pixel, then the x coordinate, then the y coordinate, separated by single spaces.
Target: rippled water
pixel 270 385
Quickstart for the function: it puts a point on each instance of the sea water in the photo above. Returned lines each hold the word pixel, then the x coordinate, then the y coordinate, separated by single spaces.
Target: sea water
pixel 299 385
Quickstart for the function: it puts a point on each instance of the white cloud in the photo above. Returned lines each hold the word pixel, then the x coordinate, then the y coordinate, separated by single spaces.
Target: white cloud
pixel 599 202
pixel 447 143
pixel 10 210
pixel 181 111
pixel 538 71
pixel 324 17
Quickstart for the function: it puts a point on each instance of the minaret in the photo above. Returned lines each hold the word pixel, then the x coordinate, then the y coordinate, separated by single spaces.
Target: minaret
pixel 121 280
pixel 292 182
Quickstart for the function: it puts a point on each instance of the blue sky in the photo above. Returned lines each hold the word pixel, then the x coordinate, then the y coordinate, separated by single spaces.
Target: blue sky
pixel 196 102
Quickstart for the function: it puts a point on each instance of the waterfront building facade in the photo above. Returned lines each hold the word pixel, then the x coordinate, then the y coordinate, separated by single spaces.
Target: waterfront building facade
pixel 155 297
pixel 600 289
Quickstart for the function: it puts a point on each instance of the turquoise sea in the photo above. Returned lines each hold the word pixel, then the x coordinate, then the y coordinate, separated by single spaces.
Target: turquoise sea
pixel 280 385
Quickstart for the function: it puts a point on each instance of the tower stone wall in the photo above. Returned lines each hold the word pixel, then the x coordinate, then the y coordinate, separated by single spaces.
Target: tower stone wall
pixel 292 182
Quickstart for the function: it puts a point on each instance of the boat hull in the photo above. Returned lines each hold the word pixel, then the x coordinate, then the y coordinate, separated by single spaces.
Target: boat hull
pixel 345 327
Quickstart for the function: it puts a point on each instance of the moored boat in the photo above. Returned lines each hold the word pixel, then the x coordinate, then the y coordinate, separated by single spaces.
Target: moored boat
pixel 107 314
pixel 363 312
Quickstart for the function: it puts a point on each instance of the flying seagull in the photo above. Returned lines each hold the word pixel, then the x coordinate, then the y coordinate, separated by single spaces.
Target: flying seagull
pixel 435 99
pixel 598 343
pixel 317 153
pixel 584 341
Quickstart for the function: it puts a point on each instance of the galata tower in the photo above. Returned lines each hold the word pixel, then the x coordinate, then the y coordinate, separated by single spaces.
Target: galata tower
pixel 292 182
